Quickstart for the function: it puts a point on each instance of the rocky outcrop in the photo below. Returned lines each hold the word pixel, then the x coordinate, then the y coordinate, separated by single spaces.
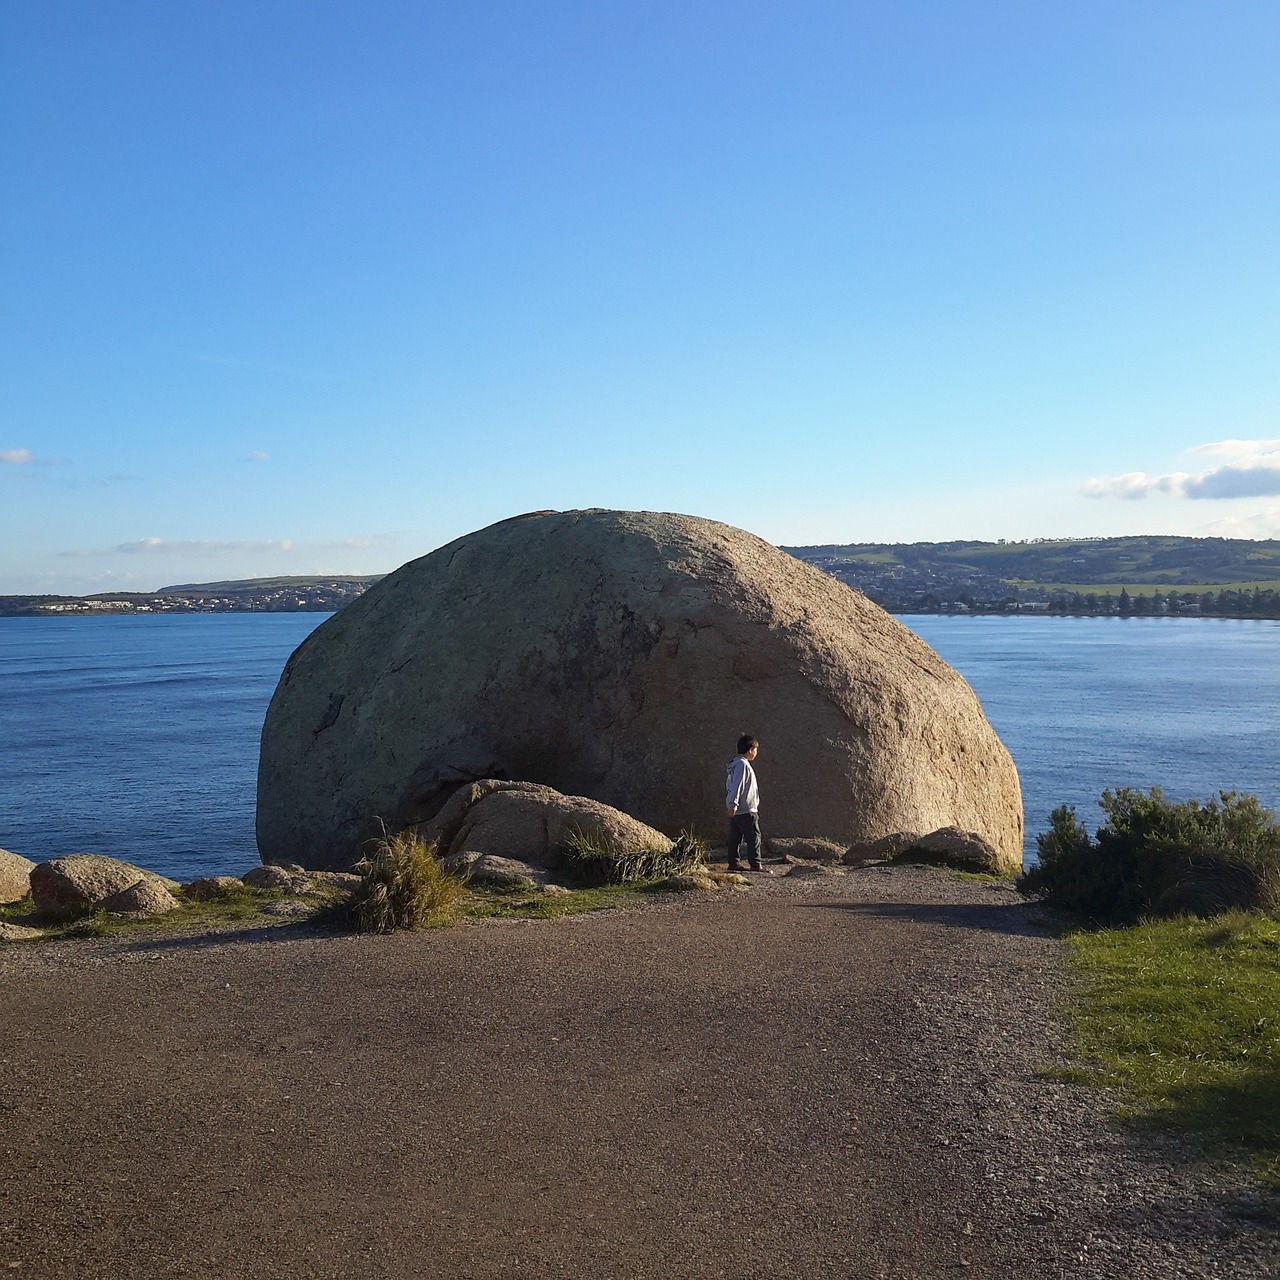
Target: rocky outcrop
pixel 618 655
pixel 70 886
pixel 148 897
pixel 288 879
pixel 964 850
pixel 15 877
pixel 530 823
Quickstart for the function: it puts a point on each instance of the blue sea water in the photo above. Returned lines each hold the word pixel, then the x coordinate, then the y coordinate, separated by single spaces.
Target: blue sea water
pixel 138 736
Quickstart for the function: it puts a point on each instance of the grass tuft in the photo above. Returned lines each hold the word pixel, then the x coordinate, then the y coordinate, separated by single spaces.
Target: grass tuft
pixel 403 886
pixel 589 859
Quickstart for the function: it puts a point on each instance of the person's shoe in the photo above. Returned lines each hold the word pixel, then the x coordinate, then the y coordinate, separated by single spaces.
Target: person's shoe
pixel 736 868
pixel 763 871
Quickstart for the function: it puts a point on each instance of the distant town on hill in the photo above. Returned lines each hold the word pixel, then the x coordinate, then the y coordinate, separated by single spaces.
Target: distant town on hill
pixel 1231 577
pixel 1138 576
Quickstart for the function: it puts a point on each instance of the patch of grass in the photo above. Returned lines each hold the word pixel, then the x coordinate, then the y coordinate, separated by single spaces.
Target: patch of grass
pixel 1184 1015
pixel 981 877
pixel 517 903
pixel 590 860
pixel 233 906
pixel 18 912
pixel 403 886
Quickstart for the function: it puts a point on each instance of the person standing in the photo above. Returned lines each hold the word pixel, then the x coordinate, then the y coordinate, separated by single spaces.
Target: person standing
pixel 742 804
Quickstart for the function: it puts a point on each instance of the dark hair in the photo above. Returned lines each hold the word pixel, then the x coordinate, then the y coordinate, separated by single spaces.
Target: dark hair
pixel 745 743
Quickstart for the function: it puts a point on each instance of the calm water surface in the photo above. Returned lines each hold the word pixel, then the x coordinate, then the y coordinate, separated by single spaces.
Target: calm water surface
pixel 138 737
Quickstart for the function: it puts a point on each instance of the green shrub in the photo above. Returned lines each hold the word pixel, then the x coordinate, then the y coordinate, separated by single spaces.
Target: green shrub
pixel 1153 857
pixel 588 859
pixel 402 886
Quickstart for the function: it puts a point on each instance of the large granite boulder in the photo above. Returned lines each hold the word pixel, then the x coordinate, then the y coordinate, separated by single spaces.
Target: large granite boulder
pixel 528 822
pixel 70 886
pixel 618 655
pixel 15 877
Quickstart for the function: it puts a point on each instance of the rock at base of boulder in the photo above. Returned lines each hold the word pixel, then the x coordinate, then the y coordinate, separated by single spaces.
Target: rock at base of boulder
pixel 147 897
pixel 15 877
pixel 807 848
pixel 18 933
pixel 556 891
pixel 288 879
pixel 890 846
pixel 66 887
pixel 964 850
pixel 491 868
pixel 213 888
pixel 530 823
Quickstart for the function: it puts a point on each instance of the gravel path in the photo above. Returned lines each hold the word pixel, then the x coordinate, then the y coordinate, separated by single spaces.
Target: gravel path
pixel 827 1076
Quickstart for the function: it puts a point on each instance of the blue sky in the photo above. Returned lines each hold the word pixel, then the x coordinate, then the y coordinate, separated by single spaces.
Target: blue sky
pixel 296 287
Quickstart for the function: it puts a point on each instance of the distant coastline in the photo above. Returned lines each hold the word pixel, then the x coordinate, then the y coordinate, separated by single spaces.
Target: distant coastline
pixel 1084 577
pixel 255 595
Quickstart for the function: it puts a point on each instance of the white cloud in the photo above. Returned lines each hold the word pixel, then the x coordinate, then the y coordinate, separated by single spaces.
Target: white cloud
pixel 1262 524
pixel 1134 484
pixel 1251 470
pixel 257 455
pixel 25 458
pixel 206 546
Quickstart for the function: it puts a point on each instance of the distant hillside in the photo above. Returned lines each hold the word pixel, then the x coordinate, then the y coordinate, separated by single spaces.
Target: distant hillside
pixel 251 585
pixel 1232 577
pixel 1090 575
pixel 314 593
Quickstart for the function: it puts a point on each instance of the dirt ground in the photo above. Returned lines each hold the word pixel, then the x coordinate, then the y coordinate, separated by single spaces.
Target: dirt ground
pixel 827 1076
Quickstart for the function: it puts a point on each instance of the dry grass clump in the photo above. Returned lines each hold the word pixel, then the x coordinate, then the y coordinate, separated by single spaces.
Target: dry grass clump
pixel 402 886
pixel 590 859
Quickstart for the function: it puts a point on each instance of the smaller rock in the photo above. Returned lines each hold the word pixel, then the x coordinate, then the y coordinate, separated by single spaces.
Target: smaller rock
pixel 683 883
pixel 556 891
pixel 18 933
pixel 212 888
pixel 15 877
pixel 272 877
pixel 809 848
pixel 63 888
pixel 889 846
pixel 146 897
pixel 731 878
pixel 814 869
pixel 951 847
pixel 494 869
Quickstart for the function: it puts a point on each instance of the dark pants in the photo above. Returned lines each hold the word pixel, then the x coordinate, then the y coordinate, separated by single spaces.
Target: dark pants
pixel 744 827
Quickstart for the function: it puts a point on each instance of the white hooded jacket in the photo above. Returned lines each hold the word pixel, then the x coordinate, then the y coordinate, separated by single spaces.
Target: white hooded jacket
pixel 741 793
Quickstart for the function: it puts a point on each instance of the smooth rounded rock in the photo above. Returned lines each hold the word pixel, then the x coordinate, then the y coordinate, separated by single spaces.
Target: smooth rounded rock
pixel 15 877
pixel 79 882
pixel 147 897
pixel 618 656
